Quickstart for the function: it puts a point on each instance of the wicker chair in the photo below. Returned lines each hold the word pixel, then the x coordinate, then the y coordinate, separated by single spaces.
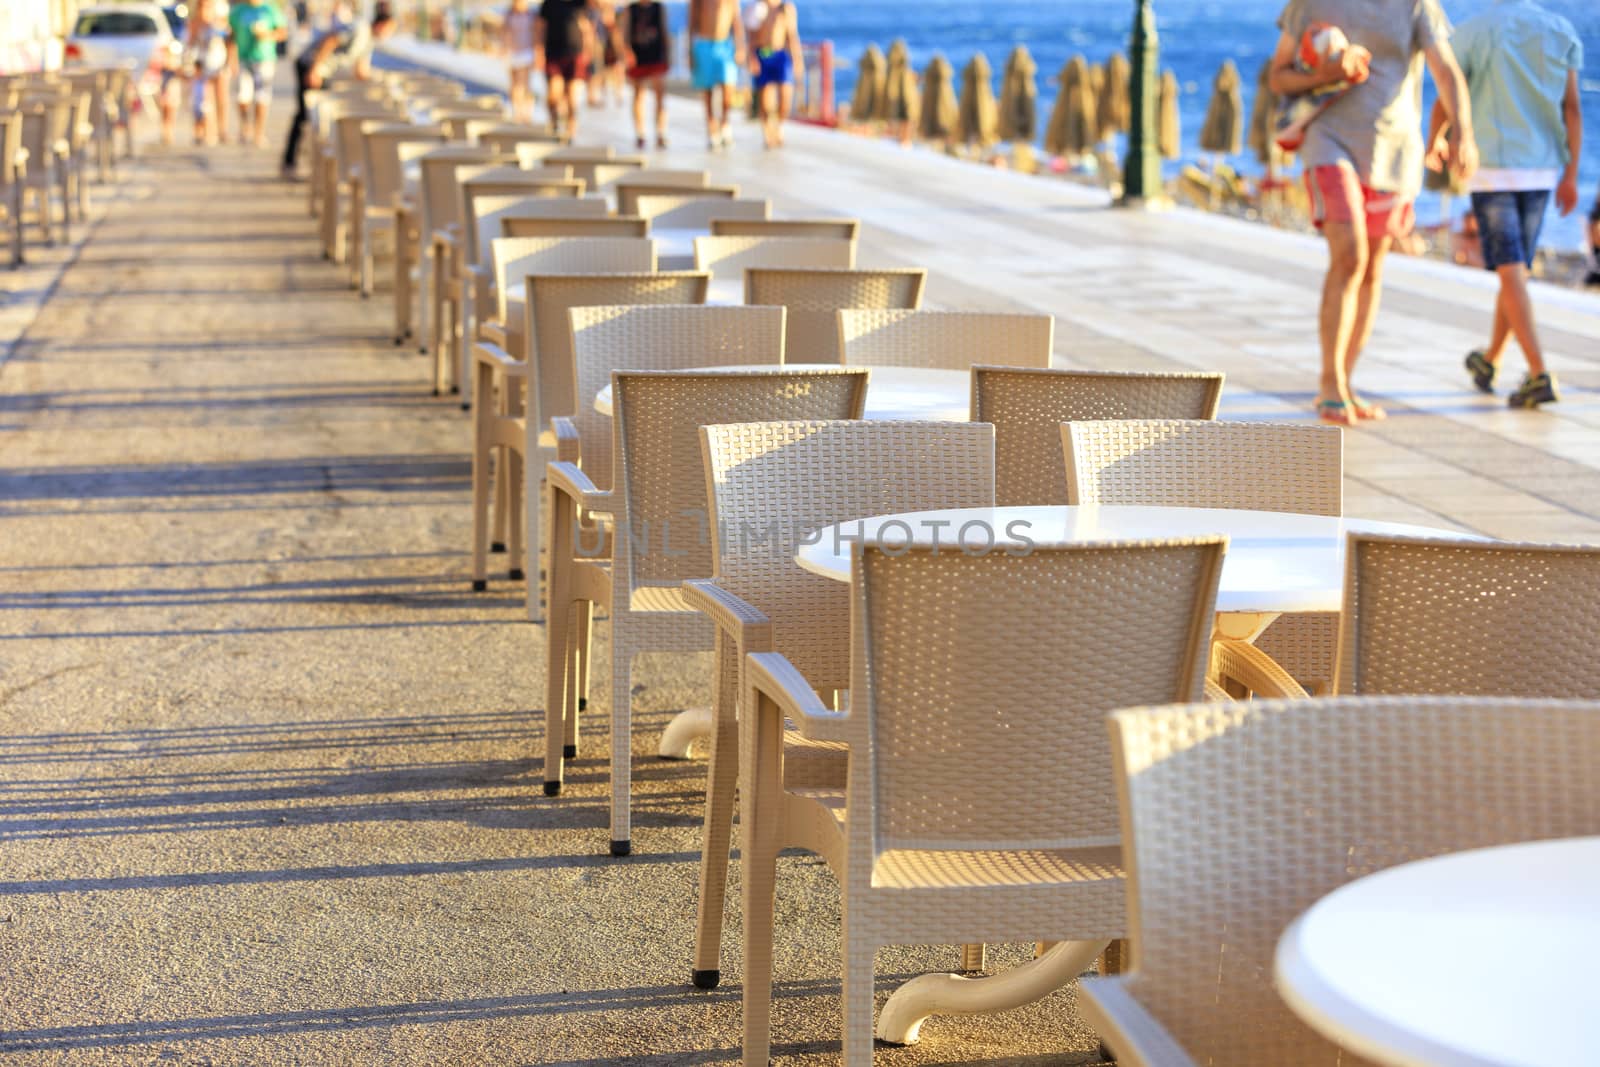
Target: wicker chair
pixel 946 647
pixel 583 154
pixel 510 139
pixel 46 170
pixel 679 212
pixel 440 206
pixel 729 257
pixel 946 340
pixel 13 174
pixel 838 229
pixel 1027 408
pixel 1469 618
pixel 528 154
pixel 391 150
pixel 660 478
pixel 601 176
pixel 549 391
pixel 379 202
pixel 349 155
pixel 1241 816
pixel 516 224
pixel 814 298
pixel 514 258
pixel 654 182
pixel 1255 466
pixel 792 479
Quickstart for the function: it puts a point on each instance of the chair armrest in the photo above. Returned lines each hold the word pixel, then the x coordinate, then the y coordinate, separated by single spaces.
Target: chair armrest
pixel 569 446
pixel 741 621
pixel 486 352
pixel 494 332
pixel 1126 1027
pixel 777 679
pixel 568 478
pixel 1252 668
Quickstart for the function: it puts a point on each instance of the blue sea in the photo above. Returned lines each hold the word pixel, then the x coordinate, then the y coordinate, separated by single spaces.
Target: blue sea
pixel 1196 36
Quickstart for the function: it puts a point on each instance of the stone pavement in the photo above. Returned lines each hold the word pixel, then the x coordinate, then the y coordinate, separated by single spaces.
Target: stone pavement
pixel 269 774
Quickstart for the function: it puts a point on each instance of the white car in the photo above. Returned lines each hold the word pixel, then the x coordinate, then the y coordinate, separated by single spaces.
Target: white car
pixel 120 34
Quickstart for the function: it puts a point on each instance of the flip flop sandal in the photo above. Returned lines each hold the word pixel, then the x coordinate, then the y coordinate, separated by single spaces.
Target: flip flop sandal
pixel 1336 413
pixel 1370 412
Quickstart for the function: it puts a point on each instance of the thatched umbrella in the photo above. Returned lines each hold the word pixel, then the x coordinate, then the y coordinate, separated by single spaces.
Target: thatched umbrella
pixel 1019 98
pixel 1263 117
pixel 869 84
pixel 900 99
pixel 1168 132
pixel 1115 112
pixel 941 114
pixel 980 116
pixel 1072 127
pixel 1223 132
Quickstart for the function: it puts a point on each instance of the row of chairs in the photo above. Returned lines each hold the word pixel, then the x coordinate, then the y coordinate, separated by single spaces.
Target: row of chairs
pixel 51 125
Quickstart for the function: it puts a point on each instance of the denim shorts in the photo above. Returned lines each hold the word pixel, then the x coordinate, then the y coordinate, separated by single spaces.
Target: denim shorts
pixel 1509 224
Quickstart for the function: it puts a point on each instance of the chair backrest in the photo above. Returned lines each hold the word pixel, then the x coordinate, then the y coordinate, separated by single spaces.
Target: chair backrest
pixel 729 257
pixel 680 212
pixel 947 340
pixel 653 182
pixel 584 154
pixel 775 485
pixel 529 153
pixel 661 534
pixel 1237 817
pixel 550 297
pixel 513 225
pixel 441 197
pixel 814 298
pixel 841 229
pixel 1028 406
pixel 669 337
pixel 10 152
pixel 36 140
pixel 1255 466
pixel 349 148
pixel 384 163
pixel 602 175
pixel 515 258
pixel 1469 618
pixel 506 137
pixel 513 209
pixel 961 660
pixel 486 190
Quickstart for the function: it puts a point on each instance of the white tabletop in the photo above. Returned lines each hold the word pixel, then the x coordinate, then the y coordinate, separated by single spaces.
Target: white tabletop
pixel 1276 562
pixel 1476 958
pixel 892 392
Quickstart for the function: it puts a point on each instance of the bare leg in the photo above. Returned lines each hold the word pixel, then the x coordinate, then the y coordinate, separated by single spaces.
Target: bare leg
pixel 659 87
pixel 556 87
pixel 574 94
pixel 712 127
pixel 1347 266
pixel 785 105
pixel 638 112
pixel 1368 297
pixel 769 115
pixel 219 89
pixel 261 125
pixel 1517 307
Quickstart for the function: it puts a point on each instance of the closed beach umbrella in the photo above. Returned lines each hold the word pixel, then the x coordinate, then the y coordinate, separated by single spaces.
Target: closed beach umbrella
pixel 941 114
pixel 980 117
pixel 1223 131
pixel 869 84
pixel 1019 97
pixel 1115 113
pixel 900 99
pixel 1072 126
pixel 1263 115
pixel 1169 135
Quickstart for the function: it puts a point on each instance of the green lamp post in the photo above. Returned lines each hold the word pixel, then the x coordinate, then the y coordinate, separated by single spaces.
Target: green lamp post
pixel 1141 171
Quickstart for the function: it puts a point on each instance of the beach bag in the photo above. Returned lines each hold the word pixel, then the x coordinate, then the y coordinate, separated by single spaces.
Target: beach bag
pixel 1320 44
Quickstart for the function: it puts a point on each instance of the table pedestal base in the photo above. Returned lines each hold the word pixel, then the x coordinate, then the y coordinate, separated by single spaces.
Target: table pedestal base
pixel 684 730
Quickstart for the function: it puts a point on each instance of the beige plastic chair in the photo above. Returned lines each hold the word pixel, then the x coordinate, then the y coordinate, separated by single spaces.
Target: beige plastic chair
pixel 839 229
pixel 408 222
pixel 380 200
pixel 529 154
pixel 509 138
pixel 773 484
pixel 1469 618
pixel 946 340
pixel 584 154
pixel 349 154
pixel 439 205
pixel 814 298
pixel 46 172
pixel 514 258
pixel 730 257
pixel 657 182
pixel 1247 465
pixel 601 176
pixel 1238 817
pixel 13 176
pixel 696 212
pixel 549 390
pixel 328 108
pixel 1028 406
pixel 954 656
pixel 519 225
pixel 660 481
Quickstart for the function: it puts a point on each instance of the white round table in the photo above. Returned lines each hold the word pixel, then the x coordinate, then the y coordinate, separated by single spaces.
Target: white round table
pixel 892 392
pixel 1476 958
pixel 1276 563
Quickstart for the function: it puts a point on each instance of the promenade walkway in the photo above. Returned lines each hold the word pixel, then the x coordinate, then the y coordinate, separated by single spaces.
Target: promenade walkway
pixel 269 775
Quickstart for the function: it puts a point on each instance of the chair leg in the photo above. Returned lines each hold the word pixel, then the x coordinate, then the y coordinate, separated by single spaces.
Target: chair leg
pixel 514 540
pixel 621 735
pixel 583 650
pixel 558 674
pixel 534 523
pixel 721 788
pixel 501 509
pixel 358 232
pixel 858 974
pixel 465 325
pixel 435 317
pixel 424 291
pixel 761 833
pixel 80 169
pixel 480 485
pixel 66 203
pixel 402 276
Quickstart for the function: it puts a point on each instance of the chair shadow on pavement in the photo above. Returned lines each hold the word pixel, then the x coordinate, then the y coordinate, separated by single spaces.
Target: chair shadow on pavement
pixel 420 473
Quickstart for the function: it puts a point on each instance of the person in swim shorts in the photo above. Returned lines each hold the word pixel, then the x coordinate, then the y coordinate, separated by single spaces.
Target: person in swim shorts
pixel 717 51
pixel 647 51
pixel 778 63
pixel 562 40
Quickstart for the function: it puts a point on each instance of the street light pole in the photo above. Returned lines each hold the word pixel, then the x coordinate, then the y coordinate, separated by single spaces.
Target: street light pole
pixel 1141 172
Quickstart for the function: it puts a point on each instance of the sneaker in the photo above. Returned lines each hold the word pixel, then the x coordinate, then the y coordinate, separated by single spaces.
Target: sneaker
pixel 1535 390
pixel 639 143
pixel 1482 370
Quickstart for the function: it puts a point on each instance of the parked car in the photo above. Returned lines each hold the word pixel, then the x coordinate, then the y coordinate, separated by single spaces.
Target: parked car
pixel 114 34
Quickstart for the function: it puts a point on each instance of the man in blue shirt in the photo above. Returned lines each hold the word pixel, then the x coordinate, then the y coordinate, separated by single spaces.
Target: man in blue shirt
pixel 1521 63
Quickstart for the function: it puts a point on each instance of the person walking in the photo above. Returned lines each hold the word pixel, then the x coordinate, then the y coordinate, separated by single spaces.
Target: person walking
pixel 517 36
pixel 562 40
pixel 255 28
pixel 347 43
pixel 1521 64
pixel 605 63
pixel 778 64
pixel 206 56
pixel 717 51
pixel 1363 160
pixel 1593 277
pixel 647 50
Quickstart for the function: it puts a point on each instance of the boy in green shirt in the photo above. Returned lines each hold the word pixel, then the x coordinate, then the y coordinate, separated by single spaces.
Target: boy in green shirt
pixel 254 29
